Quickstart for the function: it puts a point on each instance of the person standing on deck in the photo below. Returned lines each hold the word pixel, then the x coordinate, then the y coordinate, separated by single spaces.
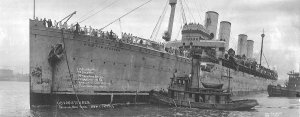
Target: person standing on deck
pixel 44 22
pixel 110 36
pixel 90 31
pixel 49 22
pixel 175 73
pixel 77 26
pixel 60 25
pixel 65 25
pixel 85 30
pixel 55 24
pixel 72 27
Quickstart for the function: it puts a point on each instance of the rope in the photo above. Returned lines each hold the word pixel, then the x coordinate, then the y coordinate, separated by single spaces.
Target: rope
pixel 189 10
pixel 266 60
pixel 90 11
pixel 71 76
pixel 182 13
pixel 126 14
pixel 159 20
pixel 196 4
pixel 99 11
pixel 179 32
pixel 158 30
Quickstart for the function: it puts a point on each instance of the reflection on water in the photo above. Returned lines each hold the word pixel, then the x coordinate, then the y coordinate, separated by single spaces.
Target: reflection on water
pixel 14 98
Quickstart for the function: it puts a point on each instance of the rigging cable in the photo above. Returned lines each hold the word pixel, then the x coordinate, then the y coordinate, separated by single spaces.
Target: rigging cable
pixel 159 26
pixel 197 9
pixel 155 30
pixel 179 32
pixel 189 10
pixel 126 14
pixel 266 60
pixel 99 11
pixel 89 12
pixel 181 26
pixel 183 13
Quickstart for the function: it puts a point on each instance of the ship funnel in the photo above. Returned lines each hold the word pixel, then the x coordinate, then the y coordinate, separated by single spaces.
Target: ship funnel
pixel 250 44
pixel 211 23
pixel 224 33
pixel 242 45
pixel 168 34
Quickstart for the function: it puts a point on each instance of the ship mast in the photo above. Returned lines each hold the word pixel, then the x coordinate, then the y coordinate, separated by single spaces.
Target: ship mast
pixel 168 34
pixel 262 44
pixel 33 9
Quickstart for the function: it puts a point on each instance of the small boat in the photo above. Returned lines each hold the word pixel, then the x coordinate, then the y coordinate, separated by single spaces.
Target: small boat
pixel 180 94
pixel 291 90
pixel 210 85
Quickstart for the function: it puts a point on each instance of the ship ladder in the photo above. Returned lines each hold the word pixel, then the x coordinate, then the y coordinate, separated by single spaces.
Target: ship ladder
pixel 190 104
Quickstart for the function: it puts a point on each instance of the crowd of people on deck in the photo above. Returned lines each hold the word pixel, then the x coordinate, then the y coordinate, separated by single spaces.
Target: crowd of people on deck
pixel 125 37
pixel 79 30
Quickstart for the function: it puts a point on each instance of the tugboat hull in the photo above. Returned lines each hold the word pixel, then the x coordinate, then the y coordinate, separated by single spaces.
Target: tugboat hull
pixel 157 98
pixel 278 91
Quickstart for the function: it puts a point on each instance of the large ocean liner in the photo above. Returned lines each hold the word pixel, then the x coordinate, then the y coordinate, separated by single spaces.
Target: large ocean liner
pixel 69 66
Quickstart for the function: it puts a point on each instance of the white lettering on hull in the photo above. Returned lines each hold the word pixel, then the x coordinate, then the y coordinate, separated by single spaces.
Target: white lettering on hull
pixel 90 78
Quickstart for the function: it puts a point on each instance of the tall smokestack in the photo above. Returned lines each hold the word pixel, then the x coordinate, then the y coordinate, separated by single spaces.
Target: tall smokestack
pixel 242 45
pixel 250 44
pixel 168 36
pixel 224 33
pixel 211 23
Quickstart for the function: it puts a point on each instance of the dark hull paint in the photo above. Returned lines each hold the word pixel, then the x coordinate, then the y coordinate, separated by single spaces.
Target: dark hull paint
pixel 73 100
pixel 158 98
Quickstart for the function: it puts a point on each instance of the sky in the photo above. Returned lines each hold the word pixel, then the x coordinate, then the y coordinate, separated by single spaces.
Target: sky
pixel 278 18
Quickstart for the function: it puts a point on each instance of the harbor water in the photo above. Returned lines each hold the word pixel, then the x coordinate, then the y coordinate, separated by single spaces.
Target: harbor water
pixel 14 98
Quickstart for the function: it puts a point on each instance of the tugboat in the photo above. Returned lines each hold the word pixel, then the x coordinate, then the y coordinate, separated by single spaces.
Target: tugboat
pixel 180 94
pixel 291 90
pixel 183 93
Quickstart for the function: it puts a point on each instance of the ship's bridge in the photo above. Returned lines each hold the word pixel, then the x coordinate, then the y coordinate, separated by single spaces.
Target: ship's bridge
pixel 193 31
pixel 196 36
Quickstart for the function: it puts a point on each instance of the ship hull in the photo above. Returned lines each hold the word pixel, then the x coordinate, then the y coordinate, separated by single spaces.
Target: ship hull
pixel 97 68
pixel 85 100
